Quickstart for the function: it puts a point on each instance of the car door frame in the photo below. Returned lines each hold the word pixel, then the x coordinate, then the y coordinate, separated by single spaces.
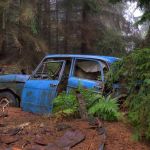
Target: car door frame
pixel 27 105
pixel 72 70
pixel 61 71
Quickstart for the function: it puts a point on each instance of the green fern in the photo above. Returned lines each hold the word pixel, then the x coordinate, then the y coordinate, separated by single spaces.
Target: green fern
pixel 97 105
pixel 65 103
pixel 105 108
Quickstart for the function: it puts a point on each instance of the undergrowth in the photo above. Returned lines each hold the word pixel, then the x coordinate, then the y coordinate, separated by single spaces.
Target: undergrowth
pixel 105 108
pixel 97 105
pixel 66 104
pixel 134 70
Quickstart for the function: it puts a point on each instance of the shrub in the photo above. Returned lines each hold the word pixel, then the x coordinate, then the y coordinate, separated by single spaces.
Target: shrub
pixel 135 71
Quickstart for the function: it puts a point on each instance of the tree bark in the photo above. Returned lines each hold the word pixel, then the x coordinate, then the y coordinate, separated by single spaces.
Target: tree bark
pixel 147 40
pixel 57 29
pixel 66 31
pixel 84 30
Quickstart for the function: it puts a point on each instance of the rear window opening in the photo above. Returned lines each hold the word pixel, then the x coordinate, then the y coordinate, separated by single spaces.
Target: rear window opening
pixel 87 69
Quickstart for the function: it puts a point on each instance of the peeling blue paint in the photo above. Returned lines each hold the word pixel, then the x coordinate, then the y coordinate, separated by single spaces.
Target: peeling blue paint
pixel 37 96
pixel 74 82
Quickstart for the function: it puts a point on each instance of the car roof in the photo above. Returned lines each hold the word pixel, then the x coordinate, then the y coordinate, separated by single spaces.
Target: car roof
pixel 108 59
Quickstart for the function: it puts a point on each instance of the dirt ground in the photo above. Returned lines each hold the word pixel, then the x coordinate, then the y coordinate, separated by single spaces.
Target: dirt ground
pixel 40 130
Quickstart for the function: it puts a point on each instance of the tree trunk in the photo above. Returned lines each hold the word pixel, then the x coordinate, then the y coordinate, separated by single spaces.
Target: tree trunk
pixel 57 28
pixel 3 20
pixel 66 31
pixel 84 30
pixel 147 40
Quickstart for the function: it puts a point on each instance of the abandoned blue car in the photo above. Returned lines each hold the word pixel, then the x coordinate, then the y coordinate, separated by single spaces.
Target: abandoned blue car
pixel 55 73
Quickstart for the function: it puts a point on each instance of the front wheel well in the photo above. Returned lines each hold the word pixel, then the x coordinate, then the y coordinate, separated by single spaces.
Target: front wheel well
pixel 12 92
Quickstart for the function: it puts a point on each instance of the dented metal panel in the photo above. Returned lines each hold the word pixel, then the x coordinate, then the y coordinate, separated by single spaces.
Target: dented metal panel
pixel 38 94
pixel 85 83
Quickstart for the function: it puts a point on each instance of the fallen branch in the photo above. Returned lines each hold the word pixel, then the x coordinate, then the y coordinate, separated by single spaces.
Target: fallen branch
pixel 3 105
pixel 82 106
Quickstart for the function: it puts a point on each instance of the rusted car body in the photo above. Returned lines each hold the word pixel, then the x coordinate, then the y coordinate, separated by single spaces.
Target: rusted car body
pixel 55 73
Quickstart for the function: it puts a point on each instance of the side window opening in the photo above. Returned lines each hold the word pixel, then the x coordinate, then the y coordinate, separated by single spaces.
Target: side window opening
pixel 49 70
pixel 87 69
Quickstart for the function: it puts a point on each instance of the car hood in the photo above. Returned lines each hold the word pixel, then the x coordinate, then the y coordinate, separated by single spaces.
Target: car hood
pixel 14 78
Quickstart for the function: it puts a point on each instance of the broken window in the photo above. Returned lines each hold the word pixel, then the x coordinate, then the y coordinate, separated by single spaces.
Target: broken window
pixel 49 70
pixel 87 69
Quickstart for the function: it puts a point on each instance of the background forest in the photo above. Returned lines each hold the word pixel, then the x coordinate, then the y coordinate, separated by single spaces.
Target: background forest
pixel 31 29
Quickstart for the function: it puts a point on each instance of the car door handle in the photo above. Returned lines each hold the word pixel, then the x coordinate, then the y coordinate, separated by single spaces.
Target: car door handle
pixel 53 85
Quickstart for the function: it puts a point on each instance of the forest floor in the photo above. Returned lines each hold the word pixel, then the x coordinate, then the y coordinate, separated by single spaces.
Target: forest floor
pixel 36 130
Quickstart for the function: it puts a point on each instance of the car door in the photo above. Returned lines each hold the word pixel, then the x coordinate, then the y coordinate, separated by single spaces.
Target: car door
pixel 86 73
pixel 40 90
